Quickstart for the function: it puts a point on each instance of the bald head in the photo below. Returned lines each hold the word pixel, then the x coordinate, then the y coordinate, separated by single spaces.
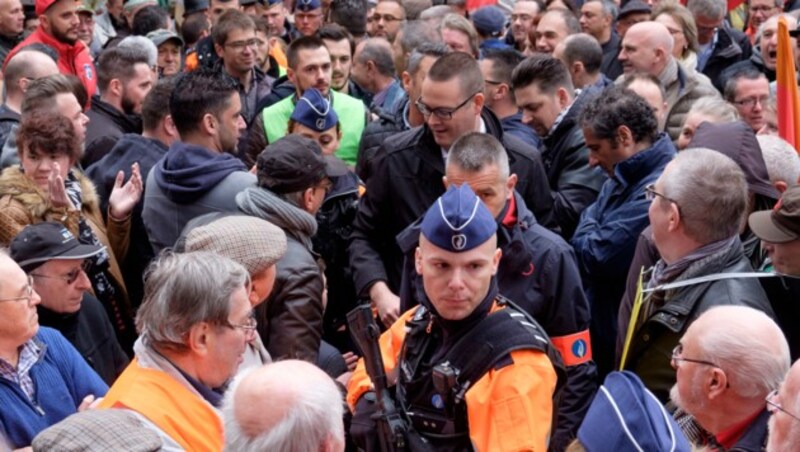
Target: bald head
pixel 27 65
pixel 305 409
pixel 646 47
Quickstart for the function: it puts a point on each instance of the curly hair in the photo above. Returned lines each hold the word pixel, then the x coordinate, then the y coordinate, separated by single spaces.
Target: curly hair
pixel 48 132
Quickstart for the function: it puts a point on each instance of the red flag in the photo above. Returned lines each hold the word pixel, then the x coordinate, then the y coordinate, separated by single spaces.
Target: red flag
pixel 787 93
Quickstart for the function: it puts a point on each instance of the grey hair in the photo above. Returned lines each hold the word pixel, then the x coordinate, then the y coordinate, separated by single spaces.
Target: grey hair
pixel 377 51
pixel 609 8
pixel 431 49
pixel 417 32
pixel 716 108
pixel 711 192
pixel 783 163
pixel 713 9
pixel 314 415
pixel 435 13
pixel 458 22
pixel 756 364
pixel 474 151
pixel 792 24
pixel 142 44
pixel 182 290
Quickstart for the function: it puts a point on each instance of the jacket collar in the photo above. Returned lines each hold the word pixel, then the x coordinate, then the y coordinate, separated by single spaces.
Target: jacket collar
pixel 61 47
pixel 644 163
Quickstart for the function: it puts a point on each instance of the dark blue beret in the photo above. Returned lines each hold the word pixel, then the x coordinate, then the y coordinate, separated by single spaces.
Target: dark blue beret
pixel 458 221
pixel 314 111
pixel 625 416
pixel 307 5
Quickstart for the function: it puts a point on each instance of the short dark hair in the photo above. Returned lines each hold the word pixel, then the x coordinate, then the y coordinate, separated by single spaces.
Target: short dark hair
pixel 335 32
pixel 458 65
pixel 586 49
pixel 375 50
pixel 118 63
pixel 149 18
pixel 261 24
pixel 547 72
pixel 504 61
pixel 230 20
pixel 350 14
pixel 732 83
pixel 156 104
pixel 302 43
pixel 49 132
pixel 198 93
pixel 619 106
pixel 41 94
pixel 415 7
pixel 193 27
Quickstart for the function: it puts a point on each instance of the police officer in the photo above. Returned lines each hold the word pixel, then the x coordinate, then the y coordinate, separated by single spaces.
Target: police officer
pixel 471 370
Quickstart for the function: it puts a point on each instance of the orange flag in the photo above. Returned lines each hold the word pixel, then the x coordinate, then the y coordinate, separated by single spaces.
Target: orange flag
pixel 787 93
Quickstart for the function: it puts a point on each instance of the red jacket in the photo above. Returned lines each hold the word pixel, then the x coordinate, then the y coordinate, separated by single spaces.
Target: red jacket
pixel 72 59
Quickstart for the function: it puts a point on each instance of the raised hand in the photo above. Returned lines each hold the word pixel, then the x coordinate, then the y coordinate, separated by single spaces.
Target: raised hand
pixel 56 189
pixel 124 197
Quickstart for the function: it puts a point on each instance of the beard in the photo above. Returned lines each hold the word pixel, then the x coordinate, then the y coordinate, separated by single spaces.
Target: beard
pixel 64 36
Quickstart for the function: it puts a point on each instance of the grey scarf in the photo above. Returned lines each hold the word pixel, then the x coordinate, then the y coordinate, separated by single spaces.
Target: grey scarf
pixel 262 203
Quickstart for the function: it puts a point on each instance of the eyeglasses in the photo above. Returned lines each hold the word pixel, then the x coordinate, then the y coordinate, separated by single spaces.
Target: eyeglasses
pixel 751 102
pixel 773 406
pixel 70 277
pixel 441 112
pixel 678 350
pixel 240 45
pixel 650 194
pixel 386 18
pixel 249 327
pixel 28 292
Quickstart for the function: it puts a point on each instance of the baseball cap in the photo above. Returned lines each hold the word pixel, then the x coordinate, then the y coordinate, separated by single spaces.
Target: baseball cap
pixel 42 242
pixel 489 20
pixel 163 35
pixel 314 111
pixel 782 223
pixel 632 7
pixel 295 163
pixel 41 6
pixel 84 8
pixel 307 5
pixel 458 221
pixel 194 6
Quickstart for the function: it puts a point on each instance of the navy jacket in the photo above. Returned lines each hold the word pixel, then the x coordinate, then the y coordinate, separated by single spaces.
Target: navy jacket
pixel 539 273
pixel 606 239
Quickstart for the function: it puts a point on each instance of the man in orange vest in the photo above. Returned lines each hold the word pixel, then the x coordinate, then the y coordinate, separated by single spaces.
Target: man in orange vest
pixel 195 322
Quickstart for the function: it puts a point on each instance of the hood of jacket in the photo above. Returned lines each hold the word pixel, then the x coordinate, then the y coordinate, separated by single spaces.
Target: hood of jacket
pixel 188 171
pixel 644 163
pixel 126 123
pixel 737 141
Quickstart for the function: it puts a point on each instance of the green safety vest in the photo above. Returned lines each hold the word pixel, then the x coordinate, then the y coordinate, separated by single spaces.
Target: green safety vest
pixel 352 120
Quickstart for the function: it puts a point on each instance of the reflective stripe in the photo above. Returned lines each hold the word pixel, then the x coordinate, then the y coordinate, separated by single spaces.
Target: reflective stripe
pixel 575 348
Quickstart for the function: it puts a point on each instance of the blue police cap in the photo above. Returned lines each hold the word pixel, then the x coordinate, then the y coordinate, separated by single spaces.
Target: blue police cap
pixel 272 2
pixel 314 111
pixel 307 5
pixel 458 221
pixel 489 20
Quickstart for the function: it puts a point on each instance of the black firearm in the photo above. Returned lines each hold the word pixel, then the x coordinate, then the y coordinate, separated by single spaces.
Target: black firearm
pixel 392 429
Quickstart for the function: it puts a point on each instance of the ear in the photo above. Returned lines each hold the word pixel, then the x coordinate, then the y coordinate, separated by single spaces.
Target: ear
pixel 290 76
pixel 563 97
pixel 717 383
pixel 218 49
pixel 199 337
pixel 370 66
pixel 169 126
pixel 445 182
pixel 418 260
pixel 23 83
pixel 44 22
pixel 479 101
pixel 502 91
pixel 674 216
pixel 406 79
pixel 498 253
pixel 781 186
pixel 115 87
pixel 511 183
pixel 577 68
pixel 209 124
pixel 625 136
pixel 308 199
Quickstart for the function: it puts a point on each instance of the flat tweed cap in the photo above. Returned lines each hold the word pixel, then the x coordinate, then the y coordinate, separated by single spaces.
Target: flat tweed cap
pixel 250 241
pixel 98 431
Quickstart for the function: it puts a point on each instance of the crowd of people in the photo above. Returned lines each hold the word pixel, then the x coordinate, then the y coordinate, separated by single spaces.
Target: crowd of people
pixel 574 224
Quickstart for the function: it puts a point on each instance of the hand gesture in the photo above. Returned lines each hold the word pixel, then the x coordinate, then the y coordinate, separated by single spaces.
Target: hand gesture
pixel 124 197
pixel 56 189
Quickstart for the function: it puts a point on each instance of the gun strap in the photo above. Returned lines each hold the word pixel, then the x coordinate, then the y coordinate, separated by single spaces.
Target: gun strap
pixel 492 339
